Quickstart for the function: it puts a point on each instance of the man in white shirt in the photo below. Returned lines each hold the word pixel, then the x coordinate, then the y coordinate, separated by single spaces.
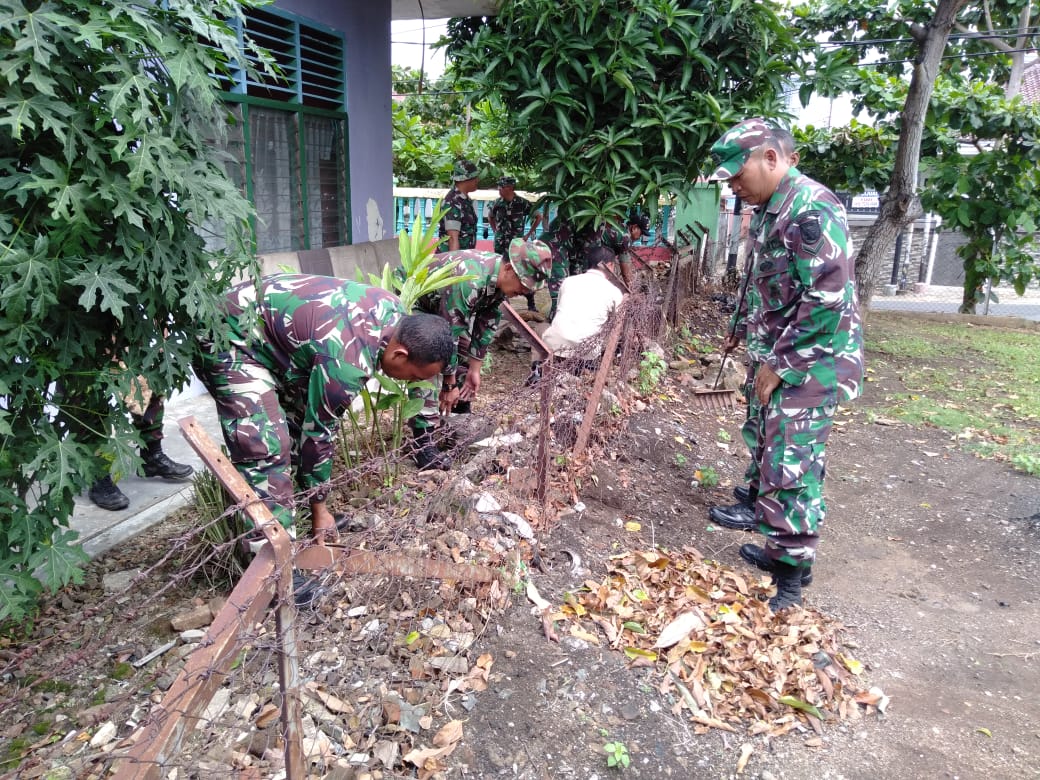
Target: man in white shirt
pixel 586 302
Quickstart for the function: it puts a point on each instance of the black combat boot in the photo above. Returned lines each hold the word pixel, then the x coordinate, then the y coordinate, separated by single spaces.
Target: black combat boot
pixel 739 517
pixel 425 452
pixel 745 494
pixel 536 374
pixel 756 556
pixel 307 589
pixel 788 581
pixel 106 495
pixel 158 464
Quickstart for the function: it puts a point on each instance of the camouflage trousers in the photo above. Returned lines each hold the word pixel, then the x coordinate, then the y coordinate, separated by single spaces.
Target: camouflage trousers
pixel 429 416
pixel 260 435
pixel 788 443
pixel 149 423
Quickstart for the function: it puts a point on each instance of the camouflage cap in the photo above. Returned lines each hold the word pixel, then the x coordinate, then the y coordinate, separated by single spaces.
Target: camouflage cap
pixel 507 181
pixel 464 170
pixel 532 261
pixel 732 150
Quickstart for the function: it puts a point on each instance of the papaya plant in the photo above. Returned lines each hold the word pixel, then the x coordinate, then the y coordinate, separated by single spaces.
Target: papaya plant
pixel 111 184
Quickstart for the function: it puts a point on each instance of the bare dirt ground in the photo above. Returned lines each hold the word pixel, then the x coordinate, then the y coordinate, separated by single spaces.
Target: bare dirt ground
pixel 927 559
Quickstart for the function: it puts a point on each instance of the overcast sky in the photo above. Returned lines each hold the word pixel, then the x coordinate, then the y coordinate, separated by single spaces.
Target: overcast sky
pixel 406 44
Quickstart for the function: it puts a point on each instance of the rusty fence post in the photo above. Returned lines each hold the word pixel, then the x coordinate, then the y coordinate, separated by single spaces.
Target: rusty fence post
pixel 601 378
pixel 159 740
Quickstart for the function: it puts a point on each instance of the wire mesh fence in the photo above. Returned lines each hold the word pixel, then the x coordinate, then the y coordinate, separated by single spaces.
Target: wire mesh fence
pixel 176 658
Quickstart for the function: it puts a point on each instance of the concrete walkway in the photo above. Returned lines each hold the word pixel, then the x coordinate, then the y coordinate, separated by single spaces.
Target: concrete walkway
pixel 151 500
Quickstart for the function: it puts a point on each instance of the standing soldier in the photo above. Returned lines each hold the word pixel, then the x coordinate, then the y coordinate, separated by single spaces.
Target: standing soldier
pixel 471 307
pixel 559 237
pixel 804 341
pixel 459 223
pixel 509 217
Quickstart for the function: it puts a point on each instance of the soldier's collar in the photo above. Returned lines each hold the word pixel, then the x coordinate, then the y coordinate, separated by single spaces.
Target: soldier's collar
pixel 782 191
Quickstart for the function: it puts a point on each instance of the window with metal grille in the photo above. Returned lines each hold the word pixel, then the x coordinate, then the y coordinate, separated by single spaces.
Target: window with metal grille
pixel 295 130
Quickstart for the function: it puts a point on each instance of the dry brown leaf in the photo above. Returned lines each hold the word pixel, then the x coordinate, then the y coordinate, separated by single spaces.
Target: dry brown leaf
pixel 745 753
pixel 449 734
pixel 680 628
pixel 332 703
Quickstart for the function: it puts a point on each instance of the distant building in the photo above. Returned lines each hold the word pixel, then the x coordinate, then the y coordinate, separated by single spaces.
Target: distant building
pixel 1030 88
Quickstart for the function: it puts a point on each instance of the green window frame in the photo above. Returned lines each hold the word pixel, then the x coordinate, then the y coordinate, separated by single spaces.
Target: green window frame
pixel 290 137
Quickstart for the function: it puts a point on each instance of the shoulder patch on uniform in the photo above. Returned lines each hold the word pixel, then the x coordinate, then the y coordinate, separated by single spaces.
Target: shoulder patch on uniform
pixel 809 226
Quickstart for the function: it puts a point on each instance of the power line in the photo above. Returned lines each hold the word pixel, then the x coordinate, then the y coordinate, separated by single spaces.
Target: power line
pixel 953 37
pixel 945 57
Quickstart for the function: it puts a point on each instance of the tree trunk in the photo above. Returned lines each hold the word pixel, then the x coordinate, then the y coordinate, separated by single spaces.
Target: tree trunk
pixel 900 205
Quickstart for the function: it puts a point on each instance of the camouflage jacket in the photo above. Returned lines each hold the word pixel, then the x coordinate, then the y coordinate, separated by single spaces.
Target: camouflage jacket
pixel 801 314
pixel 322 339
pixel 461 215
pixel 510 217
pixel 470 307
pixel 559 235
pixel 611 237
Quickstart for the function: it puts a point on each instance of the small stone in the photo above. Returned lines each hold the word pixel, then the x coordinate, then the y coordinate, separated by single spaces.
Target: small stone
pixel 163 682
pixel 486 503
pixel 196 617
pixel 118 581
pixel 105 734
pixel 192 635
pixel 522 526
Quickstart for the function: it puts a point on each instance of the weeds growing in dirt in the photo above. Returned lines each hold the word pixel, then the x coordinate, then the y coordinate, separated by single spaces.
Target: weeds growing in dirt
pixel 617 755
pixel 652 369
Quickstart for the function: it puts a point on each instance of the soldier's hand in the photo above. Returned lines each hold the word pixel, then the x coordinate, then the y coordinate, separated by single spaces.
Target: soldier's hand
pixel 470 386
pixel 731 343
pixel 766 381
pixel 447 400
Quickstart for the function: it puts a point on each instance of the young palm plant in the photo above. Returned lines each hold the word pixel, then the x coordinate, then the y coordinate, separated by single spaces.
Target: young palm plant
pixel 376 429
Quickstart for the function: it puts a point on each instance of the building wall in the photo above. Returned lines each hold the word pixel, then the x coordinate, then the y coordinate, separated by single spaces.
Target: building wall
pixel 366 26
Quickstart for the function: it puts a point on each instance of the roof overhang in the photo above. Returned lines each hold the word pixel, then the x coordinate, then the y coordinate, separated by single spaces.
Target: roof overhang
pixel 441 9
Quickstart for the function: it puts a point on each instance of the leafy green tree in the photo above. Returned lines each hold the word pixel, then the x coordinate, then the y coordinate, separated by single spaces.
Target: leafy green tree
pixel 960 143
pixel 435 127
pixel 110 182
pixel 616 103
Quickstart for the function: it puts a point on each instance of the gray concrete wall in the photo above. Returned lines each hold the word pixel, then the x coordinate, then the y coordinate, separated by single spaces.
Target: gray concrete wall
pixel 341 261
pixel 366 26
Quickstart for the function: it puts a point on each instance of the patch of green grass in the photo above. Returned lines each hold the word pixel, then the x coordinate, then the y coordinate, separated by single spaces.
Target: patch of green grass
pixel 979 383
pixel 121 671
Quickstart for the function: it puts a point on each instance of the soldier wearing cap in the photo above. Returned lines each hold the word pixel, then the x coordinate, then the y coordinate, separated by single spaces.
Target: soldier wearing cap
pixel 508 218
pixel 805 345
pixel 458 226
pixel 471 307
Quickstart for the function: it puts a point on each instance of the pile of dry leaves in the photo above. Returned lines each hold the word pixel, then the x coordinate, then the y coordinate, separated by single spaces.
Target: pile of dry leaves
pixel 725 656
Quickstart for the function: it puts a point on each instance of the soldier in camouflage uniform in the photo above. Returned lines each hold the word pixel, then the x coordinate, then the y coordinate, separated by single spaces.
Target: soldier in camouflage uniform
pixel 614 239
pixel 804 342
pixel 471 307
pixel 301 348
pixel 560 239
pixel 458 226
pixel 508 219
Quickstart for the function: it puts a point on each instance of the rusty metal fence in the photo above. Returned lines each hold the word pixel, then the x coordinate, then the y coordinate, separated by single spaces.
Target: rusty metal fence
pixel 252 696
